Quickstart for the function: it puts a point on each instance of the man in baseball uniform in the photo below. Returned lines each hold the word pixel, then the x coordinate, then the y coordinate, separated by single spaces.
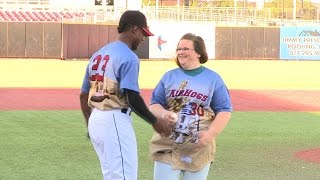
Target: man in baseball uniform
pixel 110 92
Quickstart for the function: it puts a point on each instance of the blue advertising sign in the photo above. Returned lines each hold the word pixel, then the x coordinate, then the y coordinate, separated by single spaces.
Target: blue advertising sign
pixel 300 43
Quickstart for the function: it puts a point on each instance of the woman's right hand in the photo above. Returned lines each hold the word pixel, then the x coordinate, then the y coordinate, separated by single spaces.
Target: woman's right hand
pixel 170 117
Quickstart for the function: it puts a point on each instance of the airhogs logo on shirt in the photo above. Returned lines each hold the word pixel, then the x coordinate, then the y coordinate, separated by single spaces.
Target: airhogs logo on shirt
pixel 187 92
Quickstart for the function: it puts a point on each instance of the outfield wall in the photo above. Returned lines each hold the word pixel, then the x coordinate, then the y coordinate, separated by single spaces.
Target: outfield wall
pixel 80 41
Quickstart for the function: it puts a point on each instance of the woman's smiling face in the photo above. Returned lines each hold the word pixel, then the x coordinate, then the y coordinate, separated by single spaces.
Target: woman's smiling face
pixel 187 56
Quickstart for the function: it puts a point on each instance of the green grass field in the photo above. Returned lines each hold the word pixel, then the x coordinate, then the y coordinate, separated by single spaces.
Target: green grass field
pixel 51 145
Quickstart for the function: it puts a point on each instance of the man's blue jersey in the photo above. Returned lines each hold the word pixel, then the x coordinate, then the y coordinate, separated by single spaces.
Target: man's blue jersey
pixel 110 70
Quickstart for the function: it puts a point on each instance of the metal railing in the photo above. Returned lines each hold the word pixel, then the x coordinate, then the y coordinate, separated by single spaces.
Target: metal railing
pixel 225 16
pixel 92 14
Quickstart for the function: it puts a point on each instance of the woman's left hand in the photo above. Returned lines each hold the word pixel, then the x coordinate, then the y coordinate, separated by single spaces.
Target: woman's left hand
pixel 205 138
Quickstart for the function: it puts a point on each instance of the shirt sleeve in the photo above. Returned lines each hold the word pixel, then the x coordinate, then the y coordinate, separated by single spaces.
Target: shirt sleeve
pixel 158 94
pixel 221 101
pixel 85 88
pixel 129 74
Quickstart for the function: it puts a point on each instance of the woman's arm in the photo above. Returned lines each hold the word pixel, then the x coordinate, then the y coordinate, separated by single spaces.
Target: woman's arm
pixel 216 127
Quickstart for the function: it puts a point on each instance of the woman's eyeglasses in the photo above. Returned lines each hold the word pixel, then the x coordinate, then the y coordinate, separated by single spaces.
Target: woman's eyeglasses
pixel 183 49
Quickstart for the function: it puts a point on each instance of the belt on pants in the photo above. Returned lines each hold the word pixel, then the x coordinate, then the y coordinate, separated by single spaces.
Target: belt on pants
pixel 126 111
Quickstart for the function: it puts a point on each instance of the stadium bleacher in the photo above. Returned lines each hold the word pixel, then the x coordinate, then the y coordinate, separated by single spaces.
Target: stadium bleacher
pixel 45 10
pixel 72 11
pixel 31 16
pixel 40 15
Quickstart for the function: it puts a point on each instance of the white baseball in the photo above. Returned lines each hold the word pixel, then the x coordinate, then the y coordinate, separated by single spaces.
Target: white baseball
pixel 174 116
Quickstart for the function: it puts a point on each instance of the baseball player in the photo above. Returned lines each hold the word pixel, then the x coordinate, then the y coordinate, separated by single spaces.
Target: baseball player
pixel 196 101
pixel 110 92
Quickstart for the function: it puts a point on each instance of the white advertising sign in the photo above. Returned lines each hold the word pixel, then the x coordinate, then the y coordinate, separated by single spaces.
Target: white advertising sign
pixel 167 35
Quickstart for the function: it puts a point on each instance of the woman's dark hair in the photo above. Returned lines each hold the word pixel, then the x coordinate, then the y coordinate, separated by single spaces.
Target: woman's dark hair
pixel 199 47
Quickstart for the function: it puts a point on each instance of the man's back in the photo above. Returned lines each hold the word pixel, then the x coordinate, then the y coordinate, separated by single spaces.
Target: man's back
pixel 110 70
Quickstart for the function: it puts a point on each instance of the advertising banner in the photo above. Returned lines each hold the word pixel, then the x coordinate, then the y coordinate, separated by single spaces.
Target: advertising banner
pixel 300 43
pixel 167 35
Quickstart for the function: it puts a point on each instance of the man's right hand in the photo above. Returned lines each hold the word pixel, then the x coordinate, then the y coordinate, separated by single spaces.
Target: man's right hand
pixel 162 127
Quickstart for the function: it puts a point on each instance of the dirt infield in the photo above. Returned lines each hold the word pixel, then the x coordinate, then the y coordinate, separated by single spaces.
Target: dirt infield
pixel 310 155
pixel 242 100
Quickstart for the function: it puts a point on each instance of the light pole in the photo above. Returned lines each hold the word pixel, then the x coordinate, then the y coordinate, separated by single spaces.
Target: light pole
pixel 294 10
pixel 282 10
pixel 157 11
pixel 178 6
pixel 235 11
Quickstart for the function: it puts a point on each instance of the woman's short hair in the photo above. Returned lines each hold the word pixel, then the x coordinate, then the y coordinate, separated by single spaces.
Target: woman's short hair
pixel 199 47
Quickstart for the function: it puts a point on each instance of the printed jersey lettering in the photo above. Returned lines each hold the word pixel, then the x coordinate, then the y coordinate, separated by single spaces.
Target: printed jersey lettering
pixel 196 109
pixel 188 93
pixel 104 93
pixel 186 159
pixel 189 105
pixel 98 68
